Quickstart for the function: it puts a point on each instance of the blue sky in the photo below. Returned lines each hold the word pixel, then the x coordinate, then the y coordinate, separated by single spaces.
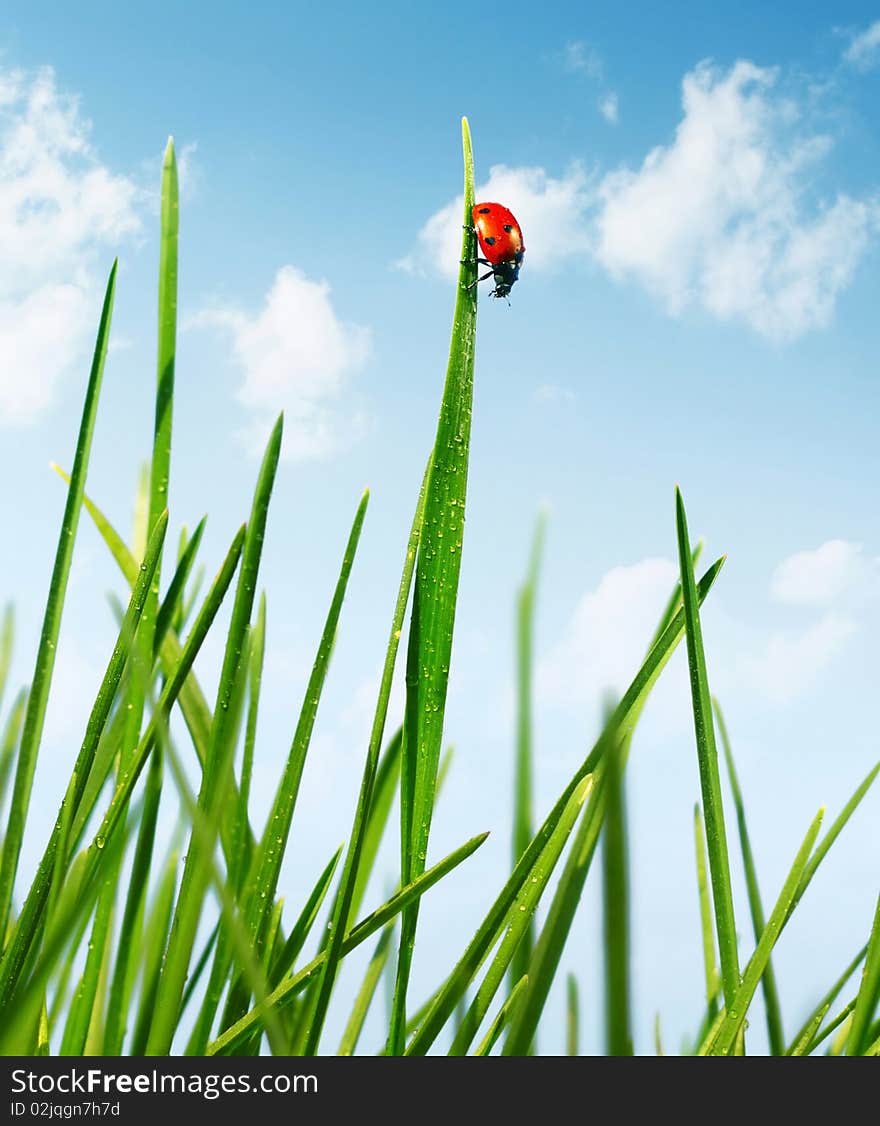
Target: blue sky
pixel 699 190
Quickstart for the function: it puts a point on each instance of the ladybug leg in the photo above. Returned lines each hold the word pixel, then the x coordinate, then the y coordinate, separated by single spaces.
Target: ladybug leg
pixel 478 280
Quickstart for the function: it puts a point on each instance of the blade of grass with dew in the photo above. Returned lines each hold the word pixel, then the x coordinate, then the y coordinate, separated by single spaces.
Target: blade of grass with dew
pixel 722 1044
pixel 241 843
pixel 825 1004
pixel 707 752
pixel 38 696
pixel 833 833
pixel 345 904
pixel 169 609
pixel 502 1019
pixel 775 1034
pixel 438 566
pixel 28 926
pixel 521 910
pixel 198 970
pixel 868 994
pixel 572 1017
pixel 286 992
pixel 615 884
pixel 206 818
pixel 551 942
pixel 623 721
pixel 80 1015
pixel 263 880
pixel 107 830
pixel 286 957
pixel 126 949
pixel 523 830
pixel 156 931
pixel 364 998
pixel 384 789
pixel 710 967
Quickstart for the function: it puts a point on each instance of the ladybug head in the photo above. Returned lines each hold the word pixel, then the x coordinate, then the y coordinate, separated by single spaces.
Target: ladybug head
pixel 506 274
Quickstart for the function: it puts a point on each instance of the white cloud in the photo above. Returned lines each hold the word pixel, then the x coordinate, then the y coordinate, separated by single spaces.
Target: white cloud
pixel 608 635
pixel 59 206
pixel 721 219
pixel 718 218
pixel 791 663
pixel 836 571
pixel 580 57
pixel 550 211
pixel 297 356
pixel 864 51
pixel 609 107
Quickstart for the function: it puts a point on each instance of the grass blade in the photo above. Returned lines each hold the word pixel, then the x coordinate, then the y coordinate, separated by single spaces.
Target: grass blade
pixel 775 1034
pixel 365 995
pixel 710 783
pixel 155 941
pixel 706 922
pixel 723 1041
pixel 814 1020
pixel 523 830
pixel 438 567
pixel 285 993
pixel 572 1024
pixel 868 994
pixel 7 639
pixel 38 697
pixel 616 911
pixel 504 1016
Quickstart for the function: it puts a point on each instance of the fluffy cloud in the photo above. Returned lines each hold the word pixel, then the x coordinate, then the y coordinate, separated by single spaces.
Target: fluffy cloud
pixel 791 663
pixel 864 51
pixel 62 214
pixel 609 107
pixel 608 635
pixel 837 571
pixel 296 356
pixel 721 219
pixel 551 212
pixel 718 218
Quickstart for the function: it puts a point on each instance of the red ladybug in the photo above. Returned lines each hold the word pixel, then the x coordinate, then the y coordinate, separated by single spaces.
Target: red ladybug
pixel 502 244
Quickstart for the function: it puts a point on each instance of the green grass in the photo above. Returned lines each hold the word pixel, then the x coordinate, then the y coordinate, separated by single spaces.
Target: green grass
pixel 123 942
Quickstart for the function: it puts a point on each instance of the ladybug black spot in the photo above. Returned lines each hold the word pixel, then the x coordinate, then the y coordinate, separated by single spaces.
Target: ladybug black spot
pixel 508 227
pixel 489 241
pixel 485 210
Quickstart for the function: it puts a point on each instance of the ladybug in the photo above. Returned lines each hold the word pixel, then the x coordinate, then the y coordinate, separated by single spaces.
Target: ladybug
pixel 501 242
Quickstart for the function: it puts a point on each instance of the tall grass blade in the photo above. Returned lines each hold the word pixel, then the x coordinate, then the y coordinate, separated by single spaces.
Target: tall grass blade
pixel 775 1033
pixel 523 829
pixel 710 782
pixel 710 967
pixel 436 590
pixel 615 885
pixel 572 1022
pixel 365 995
pixel 724 1040
pixel 502 1019
pixel 38 696
pixel 868 995
pixel 808 1030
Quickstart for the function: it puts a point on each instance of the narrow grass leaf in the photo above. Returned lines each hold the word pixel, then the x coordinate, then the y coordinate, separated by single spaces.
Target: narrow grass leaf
pixel 615 885
pixel 155 941
pixel 868 994
pixel 723 1042
pixel 502 1018
pixel 38 696
pixel 775 1034
pixel 823 1006
pixel 572 1017
pixel 710 967
pixel 436 590
pixel 707 752
pixel 365 994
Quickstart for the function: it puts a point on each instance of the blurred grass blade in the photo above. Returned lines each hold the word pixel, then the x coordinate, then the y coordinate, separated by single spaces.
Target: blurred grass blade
pixel 775 1034
pixel 438 567
pixel 290 987
pixel 502 1019
pixel 365 995
pixel 155 941
pixel 723 1042
pixel 9 741
pixel 263 883
pixel 170 606
pixel 286 957
pixel 812 1023
pixel 353 875
pixel 29 925
pixel 38 696
pixel 710 783
pixel 7 639
pixel 710 967
pixel 80 1015
pixel 623 721
pixel 615 884
pixel 519 913
pixel 572 1023
pixel 548 949
pixel 868 995
pixel 523 829
pixel 241 843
